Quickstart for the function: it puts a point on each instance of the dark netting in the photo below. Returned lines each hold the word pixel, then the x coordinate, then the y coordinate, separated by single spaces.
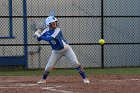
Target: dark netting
pixel 17 7
pixel 4 8
pixel 83 23
pixel 4 26
pixel 64 7
pixel 122 30
pixel 122 55
pixel 121 8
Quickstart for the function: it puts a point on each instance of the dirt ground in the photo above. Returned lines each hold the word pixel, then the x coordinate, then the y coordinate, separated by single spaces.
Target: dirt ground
pixel 71 84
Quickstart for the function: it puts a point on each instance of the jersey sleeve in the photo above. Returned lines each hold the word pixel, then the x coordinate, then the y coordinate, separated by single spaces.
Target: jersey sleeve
pixel 44 31
pixel 56 32
pixel 46 38
pixel 49 37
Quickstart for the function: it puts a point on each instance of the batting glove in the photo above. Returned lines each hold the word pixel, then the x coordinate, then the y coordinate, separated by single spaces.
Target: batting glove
pixel 37 33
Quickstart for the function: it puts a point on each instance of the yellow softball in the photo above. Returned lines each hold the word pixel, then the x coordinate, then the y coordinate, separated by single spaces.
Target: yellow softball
pixel 101 41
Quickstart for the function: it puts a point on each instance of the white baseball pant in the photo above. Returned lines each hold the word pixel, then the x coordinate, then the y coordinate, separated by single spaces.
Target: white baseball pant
pixel 57 54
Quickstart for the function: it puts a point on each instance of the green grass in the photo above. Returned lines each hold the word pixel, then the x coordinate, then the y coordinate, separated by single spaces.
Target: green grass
pixel 117 71
pixel 89 71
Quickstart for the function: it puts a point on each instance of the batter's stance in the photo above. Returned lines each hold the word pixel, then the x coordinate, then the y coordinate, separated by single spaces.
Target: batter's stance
pixel 60 48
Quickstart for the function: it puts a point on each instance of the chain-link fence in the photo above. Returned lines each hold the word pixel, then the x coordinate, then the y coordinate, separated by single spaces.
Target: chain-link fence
pixel 83 23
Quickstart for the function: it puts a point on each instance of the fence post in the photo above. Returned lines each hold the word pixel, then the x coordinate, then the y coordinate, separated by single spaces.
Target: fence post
pixel 102 33
pixel 10 18
pixel 25 33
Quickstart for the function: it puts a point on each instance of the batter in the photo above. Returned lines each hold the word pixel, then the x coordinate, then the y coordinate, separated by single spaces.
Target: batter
pixel 60 47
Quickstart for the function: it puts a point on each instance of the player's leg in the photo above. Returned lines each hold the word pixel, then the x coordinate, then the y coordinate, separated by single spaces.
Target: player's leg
pixel 55 57
pixel 73 59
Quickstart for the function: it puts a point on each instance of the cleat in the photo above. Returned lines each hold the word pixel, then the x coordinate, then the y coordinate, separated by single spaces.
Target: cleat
pixel 42 81
pixel 86 81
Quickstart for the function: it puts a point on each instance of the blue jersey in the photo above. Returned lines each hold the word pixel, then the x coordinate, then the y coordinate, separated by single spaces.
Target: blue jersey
pixel 55 38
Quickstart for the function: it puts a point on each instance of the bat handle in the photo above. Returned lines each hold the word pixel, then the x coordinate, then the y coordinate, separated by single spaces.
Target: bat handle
pixel 34 36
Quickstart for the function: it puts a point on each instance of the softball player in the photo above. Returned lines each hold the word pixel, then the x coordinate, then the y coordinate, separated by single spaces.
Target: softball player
pixel 60 48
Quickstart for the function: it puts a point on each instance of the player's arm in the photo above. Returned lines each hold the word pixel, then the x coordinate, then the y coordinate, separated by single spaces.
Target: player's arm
pixel 42 36
pixel 49 38
pixel 46 38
